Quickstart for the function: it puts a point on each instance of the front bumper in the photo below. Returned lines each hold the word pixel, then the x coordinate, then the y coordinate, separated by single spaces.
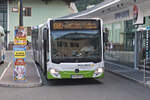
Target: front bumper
pixel 68 74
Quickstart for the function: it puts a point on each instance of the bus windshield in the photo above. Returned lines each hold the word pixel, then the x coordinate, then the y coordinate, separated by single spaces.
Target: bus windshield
pixel 76 46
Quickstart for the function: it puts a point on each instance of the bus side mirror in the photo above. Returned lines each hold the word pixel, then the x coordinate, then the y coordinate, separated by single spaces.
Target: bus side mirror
pixel 45 34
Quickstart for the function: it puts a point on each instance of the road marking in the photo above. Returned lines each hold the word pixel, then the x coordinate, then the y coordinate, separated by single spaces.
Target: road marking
pixel 5 71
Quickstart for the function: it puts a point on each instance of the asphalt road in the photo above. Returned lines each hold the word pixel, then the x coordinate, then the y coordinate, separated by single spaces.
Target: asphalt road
pixel 112 87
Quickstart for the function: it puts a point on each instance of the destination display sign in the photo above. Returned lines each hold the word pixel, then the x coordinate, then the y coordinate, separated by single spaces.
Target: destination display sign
pixel 75 25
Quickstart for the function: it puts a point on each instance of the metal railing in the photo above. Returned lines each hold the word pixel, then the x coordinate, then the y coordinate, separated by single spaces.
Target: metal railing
pixel 145 77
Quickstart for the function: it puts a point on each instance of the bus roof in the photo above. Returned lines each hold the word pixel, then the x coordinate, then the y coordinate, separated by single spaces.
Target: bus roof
pixel 75 19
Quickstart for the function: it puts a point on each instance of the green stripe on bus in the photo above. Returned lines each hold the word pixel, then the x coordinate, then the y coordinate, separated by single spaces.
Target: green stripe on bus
pixel 67 74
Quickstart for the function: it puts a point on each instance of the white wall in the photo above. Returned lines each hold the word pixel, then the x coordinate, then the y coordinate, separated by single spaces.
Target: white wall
pixel 110 18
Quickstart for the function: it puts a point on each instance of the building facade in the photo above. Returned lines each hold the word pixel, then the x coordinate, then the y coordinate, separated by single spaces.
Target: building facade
pixel 120 23
pixel 35 12
pixel 3 16
pixel 126 43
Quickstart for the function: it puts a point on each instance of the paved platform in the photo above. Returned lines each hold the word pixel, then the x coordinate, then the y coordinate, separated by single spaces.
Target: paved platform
pixel 2 67
pixel 128 72
pixel 33 78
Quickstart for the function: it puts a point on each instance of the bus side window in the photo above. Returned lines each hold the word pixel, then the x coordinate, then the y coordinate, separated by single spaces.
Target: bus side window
pixel 46 39
pixel 36 39
pixel 45 32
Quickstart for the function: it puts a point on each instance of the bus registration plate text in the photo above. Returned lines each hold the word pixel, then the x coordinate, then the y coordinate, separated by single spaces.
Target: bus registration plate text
pixel 77 76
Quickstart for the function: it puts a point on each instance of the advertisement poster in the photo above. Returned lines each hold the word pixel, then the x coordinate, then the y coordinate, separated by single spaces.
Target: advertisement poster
pixel 20 36
pixel 19 72
pixel 19 69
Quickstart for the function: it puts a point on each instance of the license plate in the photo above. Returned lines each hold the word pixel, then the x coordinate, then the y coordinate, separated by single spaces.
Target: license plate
pixel 77 76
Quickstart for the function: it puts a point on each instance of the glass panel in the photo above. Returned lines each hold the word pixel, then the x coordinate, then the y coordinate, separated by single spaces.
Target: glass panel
pixel 1 16
pixel 120 46
pixel 76 46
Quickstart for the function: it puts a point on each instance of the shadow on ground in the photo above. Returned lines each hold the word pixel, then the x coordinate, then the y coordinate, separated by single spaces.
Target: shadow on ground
pixel 68 82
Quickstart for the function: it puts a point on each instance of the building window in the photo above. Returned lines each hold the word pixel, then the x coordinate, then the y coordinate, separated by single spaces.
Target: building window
pixel 3 14
pixel 26 10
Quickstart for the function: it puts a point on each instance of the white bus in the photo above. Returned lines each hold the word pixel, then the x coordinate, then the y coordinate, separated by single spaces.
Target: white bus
pixel 2 54
pixel 69 48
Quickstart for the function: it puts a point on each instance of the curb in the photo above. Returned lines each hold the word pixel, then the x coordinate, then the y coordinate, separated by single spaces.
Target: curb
pixel 127 77
pixel 14 85
pixel 41 82
pixel 21 84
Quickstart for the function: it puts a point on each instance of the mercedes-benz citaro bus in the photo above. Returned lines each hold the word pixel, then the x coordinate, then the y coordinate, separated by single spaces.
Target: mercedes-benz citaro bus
pixel 69 48
pixel 2 54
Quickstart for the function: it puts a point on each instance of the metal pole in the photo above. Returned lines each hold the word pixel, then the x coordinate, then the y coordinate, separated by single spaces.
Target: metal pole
pixel 147 45
pixel 20 10
pixel 4 5
pixel 144 70
pixel 136 51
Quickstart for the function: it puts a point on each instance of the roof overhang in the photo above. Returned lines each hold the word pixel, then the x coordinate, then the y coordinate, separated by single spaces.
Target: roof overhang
pixel 104 8
pixel 89 12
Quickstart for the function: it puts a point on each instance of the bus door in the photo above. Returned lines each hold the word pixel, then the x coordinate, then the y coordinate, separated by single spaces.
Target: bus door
pixel 45 48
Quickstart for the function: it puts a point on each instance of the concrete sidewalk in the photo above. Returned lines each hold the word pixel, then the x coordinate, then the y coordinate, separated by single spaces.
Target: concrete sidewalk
pixel 2 67
pixel 127 72
pixel 33 78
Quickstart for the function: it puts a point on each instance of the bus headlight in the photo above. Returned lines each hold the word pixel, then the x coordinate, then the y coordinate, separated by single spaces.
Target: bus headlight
pixel 54 73
pixel 98 72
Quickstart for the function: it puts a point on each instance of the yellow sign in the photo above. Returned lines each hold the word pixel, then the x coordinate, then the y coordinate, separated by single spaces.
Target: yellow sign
pixel 20 42
pixel 20 54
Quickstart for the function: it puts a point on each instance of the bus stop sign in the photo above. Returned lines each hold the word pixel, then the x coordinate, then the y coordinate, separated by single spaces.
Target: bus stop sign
pixel 148 28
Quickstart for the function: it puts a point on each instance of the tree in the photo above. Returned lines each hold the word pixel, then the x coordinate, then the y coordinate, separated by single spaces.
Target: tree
pixel 82 4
